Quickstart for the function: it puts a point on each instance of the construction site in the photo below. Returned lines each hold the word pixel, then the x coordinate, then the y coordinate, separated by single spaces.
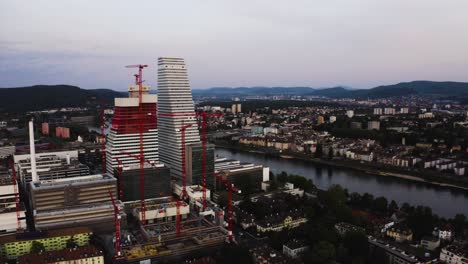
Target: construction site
pixel 141 209
pixel 174 218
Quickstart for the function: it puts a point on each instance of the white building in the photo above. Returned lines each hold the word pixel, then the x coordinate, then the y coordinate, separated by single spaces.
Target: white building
pixel 426 115
pixel 332 119
pixel 175 109
pixel 350 113
pixel 8 218
pixel 268 130
pixel 378 111
pixel 389 111
pixel 453 255
pixel 404 110
pixel 295 248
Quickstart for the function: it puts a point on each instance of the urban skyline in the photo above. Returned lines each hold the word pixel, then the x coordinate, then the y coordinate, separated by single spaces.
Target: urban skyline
pixel 359 44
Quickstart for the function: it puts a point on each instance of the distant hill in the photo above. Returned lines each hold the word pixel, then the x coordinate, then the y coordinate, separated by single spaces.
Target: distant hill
pixel 40 97
pixel 441 89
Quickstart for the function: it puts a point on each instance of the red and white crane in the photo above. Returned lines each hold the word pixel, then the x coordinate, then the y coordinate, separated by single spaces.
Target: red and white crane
pixel 103 139
pixel 118 247
pixel 139 80
pixel 204 116
pixel 119 173
pixel 184 194
pixel 231 189
pixel 15 190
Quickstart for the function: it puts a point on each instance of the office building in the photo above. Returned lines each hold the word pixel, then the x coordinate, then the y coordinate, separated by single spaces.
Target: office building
pixel 175 109
pixel 194 163
pixel 239 173
pixel 82 201
pixel 50 165
pixel 123 140
pixel 157 181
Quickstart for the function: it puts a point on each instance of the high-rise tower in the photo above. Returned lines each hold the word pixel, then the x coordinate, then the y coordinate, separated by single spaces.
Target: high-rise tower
pixel 175 109
pixel 124 138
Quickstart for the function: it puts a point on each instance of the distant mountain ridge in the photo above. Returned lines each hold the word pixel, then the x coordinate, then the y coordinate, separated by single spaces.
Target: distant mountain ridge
pixel 400 89
pixel 39 97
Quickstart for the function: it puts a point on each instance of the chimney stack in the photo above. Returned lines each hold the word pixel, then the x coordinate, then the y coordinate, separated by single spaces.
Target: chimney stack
pixel 32 152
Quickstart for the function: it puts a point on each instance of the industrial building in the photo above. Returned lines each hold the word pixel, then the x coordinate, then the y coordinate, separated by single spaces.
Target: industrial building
pixel 83 200
pixel 175 110
pixel 194 164
pixel 237 172
pixel 51 165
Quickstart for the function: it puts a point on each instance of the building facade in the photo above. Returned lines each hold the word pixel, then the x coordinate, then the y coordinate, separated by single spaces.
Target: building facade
pixel 175 109
pixel 123 140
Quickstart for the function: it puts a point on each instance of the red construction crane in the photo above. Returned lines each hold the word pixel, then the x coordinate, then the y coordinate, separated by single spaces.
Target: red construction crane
pixel 184 194
pixel 231 189
pixel 119 173
pixel 15 189
pixel 204 116
pixel 103 141
pixel 139 80
pixel 118 249
pixel 138 157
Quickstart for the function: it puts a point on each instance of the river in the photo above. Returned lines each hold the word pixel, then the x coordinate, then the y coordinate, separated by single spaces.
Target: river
pixel 444 201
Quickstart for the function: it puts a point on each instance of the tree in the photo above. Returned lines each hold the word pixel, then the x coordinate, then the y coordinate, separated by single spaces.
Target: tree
pixel 323 252
pixel 421 222
pixel 392 207
pixel 232 253
pixel 71 243
pixel 459 222
pixel 318 150
pixel 357 245
pixel 380 204
pixel 37 247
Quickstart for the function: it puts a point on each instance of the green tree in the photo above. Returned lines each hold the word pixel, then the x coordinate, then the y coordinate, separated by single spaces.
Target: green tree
pixel 37 247
pixel 322 253
pixel 380 205
pixel 459 222
pixel 357 245
pixel 392 207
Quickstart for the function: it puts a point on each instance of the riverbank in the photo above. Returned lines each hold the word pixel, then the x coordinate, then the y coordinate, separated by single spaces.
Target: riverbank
pixel 361 167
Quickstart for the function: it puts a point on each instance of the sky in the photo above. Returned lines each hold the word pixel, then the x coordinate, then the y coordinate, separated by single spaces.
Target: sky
pixel 320 43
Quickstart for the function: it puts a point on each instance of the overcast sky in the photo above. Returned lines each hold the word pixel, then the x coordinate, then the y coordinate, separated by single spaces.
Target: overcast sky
pixel 318 43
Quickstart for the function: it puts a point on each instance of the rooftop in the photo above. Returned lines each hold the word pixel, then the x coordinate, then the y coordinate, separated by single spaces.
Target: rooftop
pixel 67 254
pixel 44 234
